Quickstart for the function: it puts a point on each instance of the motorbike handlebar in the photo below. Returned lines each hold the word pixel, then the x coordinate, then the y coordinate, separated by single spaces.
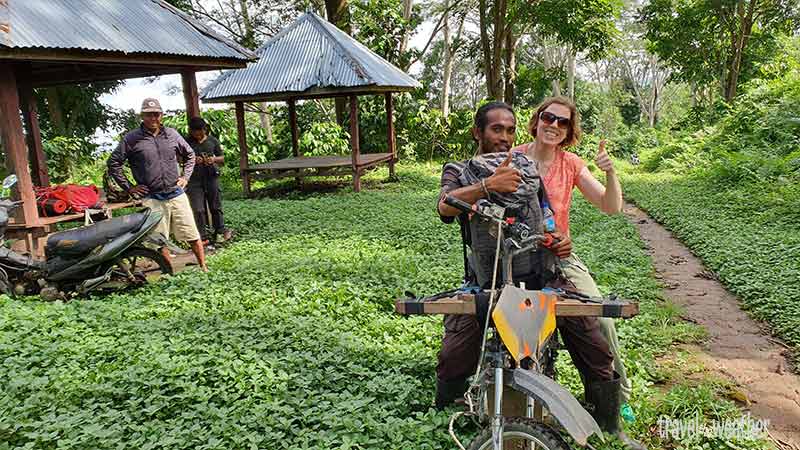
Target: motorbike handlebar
pixel 517 230
pixel 458 204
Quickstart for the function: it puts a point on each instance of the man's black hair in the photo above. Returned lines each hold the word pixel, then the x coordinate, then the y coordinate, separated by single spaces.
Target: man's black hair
pixel 197 123
pixel 481 115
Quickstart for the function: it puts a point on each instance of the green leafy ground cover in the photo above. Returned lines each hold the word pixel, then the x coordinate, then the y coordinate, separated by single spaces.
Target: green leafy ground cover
pixel 745 233
pixel 290 342
pixel 731 192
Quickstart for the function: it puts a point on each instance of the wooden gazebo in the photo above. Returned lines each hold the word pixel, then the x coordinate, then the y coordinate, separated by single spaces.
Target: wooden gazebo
pixel 309 59
pixel 46 43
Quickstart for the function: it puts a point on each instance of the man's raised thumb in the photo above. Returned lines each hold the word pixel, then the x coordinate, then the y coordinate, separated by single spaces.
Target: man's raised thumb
pixel 508 160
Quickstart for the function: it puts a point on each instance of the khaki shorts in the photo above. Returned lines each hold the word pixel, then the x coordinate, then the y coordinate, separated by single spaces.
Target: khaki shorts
pixel 177 217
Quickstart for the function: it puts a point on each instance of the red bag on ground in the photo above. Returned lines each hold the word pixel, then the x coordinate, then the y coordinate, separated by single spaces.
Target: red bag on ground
pixel 78 198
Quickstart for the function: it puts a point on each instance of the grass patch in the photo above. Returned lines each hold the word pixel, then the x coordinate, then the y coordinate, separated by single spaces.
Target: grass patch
pixel 290 341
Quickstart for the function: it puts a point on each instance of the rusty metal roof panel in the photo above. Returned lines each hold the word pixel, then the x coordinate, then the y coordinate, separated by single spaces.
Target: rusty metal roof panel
pixel 310 53
pixel 128 26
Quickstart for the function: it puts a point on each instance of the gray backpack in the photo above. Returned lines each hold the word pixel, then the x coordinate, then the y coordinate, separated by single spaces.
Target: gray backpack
pixel 537 268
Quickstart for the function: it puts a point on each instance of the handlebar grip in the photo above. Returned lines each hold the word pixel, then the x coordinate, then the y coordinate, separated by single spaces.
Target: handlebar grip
pixel 458 204
pixel 550 240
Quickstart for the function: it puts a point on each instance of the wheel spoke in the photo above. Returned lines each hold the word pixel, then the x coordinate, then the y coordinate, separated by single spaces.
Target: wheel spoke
pixel 524 434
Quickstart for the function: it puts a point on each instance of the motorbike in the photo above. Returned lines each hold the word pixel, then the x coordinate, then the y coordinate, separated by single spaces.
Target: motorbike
pixel 110 255
pixel 519 348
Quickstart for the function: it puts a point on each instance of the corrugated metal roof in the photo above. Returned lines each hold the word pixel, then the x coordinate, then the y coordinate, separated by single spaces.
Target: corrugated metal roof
pixel 128 26
pixel 311 53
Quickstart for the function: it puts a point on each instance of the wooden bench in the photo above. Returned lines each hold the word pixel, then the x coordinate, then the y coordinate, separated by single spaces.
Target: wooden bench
pixel 317 166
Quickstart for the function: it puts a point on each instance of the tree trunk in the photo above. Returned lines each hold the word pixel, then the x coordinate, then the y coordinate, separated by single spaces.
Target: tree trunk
pixel 340 104
pixel 653 113
pixel 556 84
pixel 406 17
pixel 487 48
pixel 510 67
pixel 571 74
pixel 338 14
pixel 720 54
pixel 266 121
pixel 448 65
pixel 56 113
pixel 497 48
pixel 739 43
pixel 249 38
pixel 693 94
pixel 547 61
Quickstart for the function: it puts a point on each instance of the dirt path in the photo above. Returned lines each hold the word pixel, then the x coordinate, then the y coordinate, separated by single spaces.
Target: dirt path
pixel 737 349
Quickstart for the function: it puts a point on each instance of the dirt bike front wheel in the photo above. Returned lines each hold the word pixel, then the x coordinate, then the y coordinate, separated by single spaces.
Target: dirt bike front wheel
pixel 522 434
pixel 136 267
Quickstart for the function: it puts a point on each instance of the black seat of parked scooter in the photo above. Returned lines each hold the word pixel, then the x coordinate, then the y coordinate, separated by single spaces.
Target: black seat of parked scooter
pixel 82 240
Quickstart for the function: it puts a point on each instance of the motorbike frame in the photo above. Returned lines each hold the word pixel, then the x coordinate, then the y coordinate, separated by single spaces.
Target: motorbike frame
pixel 500 369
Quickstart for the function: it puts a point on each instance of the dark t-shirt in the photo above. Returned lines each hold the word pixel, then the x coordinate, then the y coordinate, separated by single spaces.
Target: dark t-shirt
pixel 209 147
pixel 449 182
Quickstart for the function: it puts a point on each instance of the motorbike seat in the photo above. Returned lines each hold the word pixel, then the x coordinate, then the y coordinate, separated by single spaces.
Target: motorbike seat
pixel 82 240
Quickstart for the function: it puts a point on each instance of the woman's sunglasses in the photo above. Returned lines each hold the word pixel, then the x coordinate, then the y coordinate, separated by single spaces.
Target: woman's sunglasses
pixel 548 118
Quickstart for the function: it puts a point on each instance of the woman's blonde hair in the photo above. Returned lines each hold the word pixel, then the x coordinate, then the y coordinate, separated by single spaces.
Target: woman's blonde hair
pixel 574 132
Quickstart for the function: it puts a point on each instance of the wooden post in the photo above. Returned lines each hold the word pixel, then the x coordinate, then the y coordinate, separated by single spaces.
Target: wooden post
pixel 390 133
pixel 354 142
pixel 14 142
pixel 293 127
pixel 190 94
pixel 295 135
pixel 33 135
pixel 243 164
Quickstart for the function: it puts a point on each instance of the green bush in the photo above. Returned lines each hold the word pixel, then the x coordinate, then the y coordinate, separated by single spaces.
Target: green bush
pixel 222 124
pixel 325 138
pixel 756 140
pixel 588 146
pixel 680 155
pixel 427 134
pixel 601 112
pixel 632 140
pixel 766 120
pixel 73 160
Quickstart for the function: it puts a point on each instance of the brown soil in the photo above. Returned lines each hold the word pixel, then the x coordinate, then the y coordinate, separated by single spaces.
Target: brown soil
pixel 737 348
pixel 185 260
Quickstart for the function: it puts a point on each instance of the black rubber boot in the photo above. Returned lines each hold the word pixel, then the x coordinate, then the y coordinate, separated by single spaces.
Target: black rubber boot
pixel 447 392
pixel 605 398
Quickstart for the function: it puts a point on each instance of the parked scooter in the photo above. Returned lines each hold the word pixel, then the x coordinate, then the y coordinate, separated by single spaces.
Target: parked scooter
pixel 113 254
